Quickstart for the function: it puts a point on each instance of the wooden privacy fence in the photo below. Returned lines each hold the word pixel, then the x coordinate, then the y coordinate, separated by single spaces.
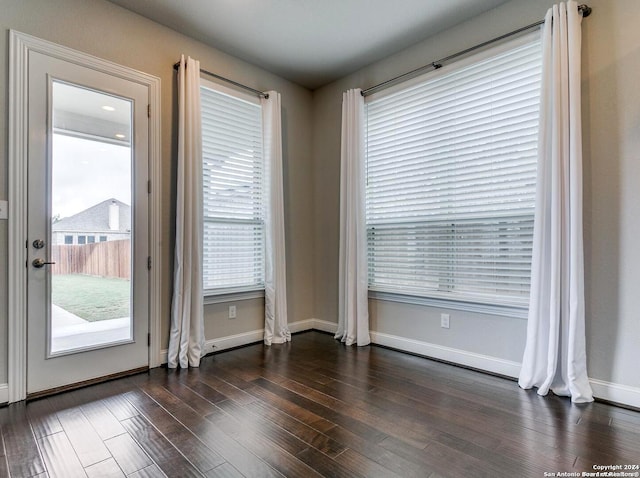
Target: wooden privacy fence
pixel 104 259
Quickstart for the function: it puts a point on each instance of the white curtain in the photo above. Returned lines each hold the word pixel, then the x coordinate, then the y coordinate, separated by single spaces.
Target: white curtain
pixel 555 352
pixel 187 325
pixel 353 307
pixel 276 328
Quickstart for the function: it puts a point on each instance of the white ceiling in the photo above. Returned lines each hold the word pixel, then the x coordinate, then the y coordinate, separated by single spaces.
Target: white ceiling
pixel 310 42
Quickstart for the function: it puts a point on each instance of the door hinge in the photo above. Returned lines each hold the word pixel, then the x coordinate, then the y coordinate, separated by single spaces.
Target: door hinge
pixel 149 263
pixel 149 186
pixel 149 340
pixel 148 111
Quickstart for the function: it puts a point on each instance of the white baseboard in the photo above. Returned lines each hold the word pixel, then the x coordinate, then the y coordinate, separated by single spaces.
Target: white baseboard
pixel 230 341
pixel 4 393
pixel 324 325
pixel 461 357
pixel 301 325
pixel 615 392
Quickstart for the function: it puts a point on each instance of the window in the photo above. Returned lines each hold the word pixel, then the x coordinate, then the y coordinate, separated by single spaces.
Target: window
pixel 233 191
pixel 91 239
pixel 451 174
pixel 103 238
pixel 82 239
pixel 68 239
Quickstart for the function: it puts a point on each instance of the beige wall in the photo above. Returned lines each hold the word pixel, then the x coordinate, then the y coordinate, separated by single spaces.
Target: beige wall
pixel 611 103
pixel 113 33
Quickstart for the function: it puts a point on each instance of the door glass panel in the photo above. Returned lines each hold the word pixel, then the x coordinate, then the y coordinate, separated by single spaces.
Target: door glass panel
pixel 91 229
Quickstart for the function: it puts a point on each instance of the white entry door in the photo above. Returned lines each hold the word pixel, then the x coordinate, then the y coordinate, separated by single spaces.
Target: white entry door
pixel 87 228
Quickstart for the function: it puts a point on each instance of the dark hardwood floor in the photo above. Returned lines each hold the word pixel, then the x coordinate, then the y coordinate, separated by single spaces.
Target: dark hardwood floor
pixel 312 408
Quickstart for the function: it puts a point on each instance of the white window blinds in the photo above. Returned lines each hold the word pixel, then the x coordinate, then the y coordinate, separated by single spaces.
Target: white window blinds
pixel 451 174
pixel 233 199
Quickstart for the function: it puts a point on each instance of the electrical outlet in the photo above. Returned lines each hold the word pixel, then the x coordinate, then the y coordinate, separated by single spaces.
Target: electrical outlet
pixel 4 209
pixel 444 321
pixel 232 311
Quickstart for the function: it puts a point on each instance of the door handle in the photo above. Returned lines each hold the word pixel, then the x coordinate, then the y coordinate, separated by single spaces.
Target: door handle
pixel 39 263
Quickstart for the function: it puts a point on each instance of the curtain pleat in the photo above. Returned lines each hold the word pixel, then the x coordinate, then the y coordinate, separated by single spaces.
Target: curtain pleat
pixel 555 352
pixel 186 338
pixel 276 328
pixel 353 307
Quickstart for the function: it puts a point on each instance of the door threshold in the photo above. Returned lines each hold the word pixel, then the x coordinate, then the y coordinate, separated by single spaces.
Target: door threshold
pixel 85 383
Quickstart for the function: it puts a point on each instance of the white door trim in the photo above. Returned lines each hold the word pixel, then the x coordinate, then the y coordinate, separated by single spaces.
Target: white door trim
pixel 20 45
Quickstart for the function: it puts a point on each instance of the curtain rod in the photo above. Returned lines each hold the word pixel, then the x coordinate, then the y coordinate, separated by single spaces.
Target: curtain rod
pixel 222 78
pixel 584 9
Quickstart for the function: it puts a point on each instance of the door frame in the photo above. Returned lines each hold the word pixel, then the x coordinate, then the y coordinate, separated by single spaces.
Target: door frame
pixel 20 44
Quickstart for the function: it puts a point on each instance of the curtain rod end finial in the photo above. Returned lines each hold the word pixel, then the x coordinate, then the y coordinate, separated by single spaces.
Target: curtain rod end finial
pixel 585 9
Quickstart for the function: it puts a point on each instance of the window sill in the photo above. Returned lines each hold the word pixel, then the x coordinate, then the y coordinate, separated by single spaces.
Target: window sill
pixel 212 298
pixel 481 308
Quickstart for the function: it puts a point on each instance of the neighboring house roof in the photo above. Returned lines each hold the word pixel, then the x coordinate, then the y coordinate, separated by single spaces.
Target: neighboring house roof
pixel 96 219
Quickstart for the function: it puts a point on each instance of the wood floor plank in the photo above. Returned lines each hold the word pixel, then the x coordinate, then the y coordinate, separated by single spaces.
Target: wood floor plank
pixel 120 407
pixel 324 411
pixel 312 437
pixel 149 472
pixel 224 471
pixel 204 390
pixel 196 401
pixel 85 440
pixel 363 466
pixel 160 450
pixel 105 469
pixel 226 389
pixel 21 450
pixel 183 439
pixel 103 421
pixel 296 411
pixel 375 452
pixel 266 448
pixel 127 453
pixel 245 372
pixel 60 457
pixel 4 466
pixel 43 418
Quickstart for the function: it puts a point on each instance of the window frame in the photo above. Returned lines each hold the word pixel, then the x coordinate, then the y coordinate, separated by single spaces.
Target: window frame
pixel 235 293
pixel 436 300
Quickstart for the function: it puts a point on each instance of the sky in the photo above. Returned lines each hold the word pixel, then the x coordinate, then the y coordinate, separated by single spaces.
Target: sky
pixel 87 172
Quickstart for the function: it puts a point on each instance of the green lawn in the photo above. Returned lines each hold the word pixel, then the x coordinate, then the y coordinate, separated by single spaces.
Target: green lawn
pixel 91 298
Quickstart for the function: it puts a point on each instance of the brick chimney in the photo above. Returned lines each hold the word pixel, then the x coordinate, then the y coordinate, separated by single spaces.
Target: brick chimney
pixel 114 216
